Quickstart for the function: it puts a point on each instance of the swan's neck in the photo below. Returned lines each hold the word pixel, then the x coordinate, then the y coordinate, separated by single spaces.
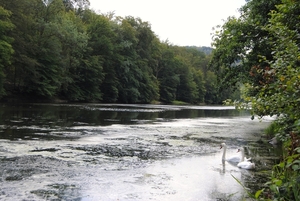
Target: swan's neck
pixel 224 153
pixel 243 155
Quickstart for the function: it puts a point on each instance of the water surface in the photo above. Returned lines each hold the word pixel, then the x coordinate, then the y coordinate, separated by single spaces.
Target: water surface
pixel 128 152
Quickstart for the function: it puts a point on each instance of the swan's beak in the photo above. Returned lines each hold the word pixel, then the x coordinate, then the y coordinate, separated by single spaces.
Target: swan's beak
pixel 238 150
pixel 220 146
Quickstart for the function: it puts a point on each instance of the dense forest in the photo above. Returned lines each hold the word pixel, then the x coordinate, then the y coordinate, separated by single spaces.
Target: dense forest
pixel 63 50
pixel 260 53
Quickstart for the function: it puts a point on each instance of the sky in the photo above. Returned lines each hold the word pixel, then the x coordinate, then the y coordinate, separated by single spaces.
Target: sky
pixel 180 22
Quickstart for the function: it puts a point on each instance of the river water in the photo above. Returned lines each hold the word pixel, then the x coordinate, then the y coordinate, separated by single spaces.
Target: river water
pixel 114 152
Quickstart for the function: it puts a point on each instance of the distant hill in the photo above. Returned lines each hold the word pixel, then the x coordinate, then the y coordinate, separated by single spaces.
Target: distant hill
pixel 206 50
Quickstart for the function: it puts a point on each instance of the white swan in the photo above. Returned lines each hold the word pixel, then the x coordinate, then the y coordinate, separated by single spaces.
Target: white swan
pixel 273 141
pixel 245 163
pixel 232 159
pixel 243 158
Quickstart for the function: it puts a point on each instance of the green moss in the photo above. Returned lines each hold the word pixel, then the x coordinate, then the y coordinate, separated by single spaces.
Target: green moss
pixel 272 129
pixel 179 103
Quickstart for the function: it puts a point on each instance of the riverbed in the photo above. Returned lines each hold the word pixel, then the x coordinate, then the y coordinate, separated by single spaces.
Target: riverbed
pixel 129 152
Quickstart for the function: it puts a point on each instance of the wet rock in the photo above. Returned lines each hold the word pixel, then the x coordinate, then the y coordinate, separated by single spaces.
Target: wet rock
pixel 112 151
pixel 16 177
pixel 46 149
pixel 19 168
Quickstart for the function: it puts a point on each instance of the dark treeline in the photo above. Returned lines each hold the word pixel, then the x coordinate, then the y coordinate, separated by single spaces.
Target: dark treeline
pixel 62 49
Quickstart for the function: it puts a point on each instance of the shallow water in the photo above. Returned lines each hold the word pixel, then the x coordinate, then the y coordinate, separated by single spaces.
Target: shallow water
pixel 128 152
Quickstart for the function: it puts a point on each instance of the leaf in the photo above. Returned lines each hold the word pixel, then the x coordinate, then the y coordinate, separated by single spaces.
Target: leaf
pixel 249 194
pixel 277 182
pixel 257 194
pixel 296 167
pixel 281 165
pixel 273 188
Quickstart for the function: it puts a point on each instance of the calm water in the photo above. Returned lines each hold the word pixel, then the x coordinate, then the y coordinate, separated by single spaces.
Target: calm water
pixel 128 152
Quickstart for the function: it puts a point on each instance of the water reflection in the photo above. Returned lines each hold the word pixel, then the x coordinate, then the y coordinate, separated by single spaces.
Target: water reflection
pixel 25 120
pixel 98 114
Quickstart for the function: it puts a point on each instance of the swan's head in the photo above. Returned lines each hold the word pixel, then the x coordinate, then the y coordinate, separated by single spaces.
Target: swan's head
pixel 222 145
pixel 240 150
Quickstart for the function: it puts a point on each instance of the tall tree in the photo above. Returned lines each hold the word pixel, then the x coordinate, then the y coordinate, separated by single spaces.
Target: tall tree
pixel 33 47
pixel 199 80
pixel 136 80
pixel 101 42
pixel 146 49
pixel 279 87
pixel 167 76
pixel 187 89
pixel 74 42
pixel 126 66
pixel 5 45
pixel 240 42
pixel 63 49
pixel 279 92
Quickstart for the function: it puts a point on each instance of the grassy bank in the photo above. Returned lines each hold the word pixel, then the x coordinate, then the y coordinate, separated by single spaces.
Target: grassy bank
pixel 284 181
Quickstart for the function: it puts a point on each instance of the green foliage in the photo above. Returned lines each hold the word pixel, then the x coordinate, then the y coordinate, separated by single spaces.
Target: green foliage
pixel 273 129
pixel 198 78
pixel 284 183
pixel 204 49
pixel 5 45
pixel 74 44
pixel 167 76
pixel 64 50
pixel 272 60
pixel 179 103
pixel 211 87
pixel 239 44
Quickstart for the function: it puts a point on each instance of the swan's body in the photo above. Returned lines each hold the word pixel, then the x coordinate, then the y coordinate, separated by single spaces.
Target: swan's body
pixel 273 141
pixel 232 159
pixel 245 163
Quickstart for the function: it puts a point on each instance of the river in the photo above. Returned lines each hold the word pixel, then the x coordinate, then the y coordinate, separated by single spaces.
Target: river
pixel 112 152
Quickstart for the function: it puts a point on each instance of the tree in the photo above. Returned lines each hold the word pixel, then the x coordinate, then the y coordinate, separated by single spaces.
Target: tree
pixel 187 88
pixel 192 71
pixel 279 92
pixel 135 76
pixel 126 67
pixel 44 80
pixel 35 63
pixel 94 76
pixel 146 49
pixel 211 88
pixel 64 50
pixel 167 77
pixel 5 46
pixel 198 78
pixel 82 70
pixel 273 84
pixel 240 42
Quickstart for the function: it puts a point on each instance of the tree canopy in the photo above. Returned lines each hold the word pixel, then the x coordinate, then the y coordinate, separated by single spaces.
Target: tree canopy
pixel 58 49
pixel 5 45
